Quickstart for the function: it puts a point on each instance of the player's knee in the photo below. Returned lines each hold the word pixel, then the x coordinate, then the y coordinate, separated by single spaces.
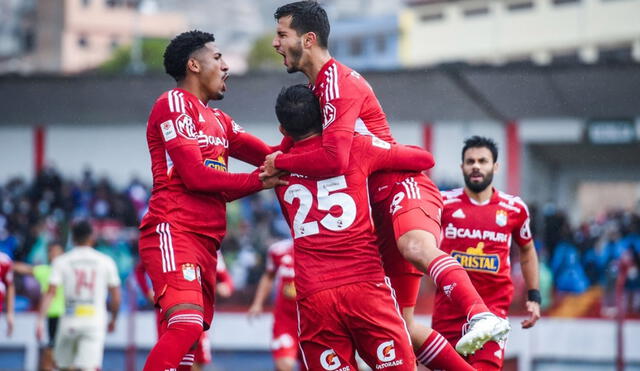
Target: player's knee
pixel 418 247
pixel 188 322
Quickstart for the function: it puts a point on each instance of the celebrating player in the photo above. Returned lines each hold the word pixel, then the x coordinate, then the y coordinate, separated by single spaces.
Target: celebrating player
pixel 479 224
pixel 344 302
pixel 7 290
pixel 189 144
pixel 284 343
pixel 406 206
pixel 86 276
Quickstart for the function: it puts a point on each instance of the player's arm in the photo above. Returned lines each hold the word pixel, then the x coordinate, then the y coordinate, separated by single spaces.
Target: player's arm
pixel 23 268
pixel 114 306
pixel 113 282
pixel 141 279
pixel 11 301
pixel 262 292
pixel 531 275
pixel 224 282
pixel 332 159
pixel 385 156
pixel 178 132
pixel 43 309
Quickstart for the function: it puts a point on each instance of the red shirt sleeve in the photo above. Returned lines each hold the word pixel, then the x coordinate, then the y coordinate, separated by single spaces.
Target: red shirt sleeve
pixel 332 158
pixel 385 156
pixel 244 146
pixel 522 229
pixel 178 132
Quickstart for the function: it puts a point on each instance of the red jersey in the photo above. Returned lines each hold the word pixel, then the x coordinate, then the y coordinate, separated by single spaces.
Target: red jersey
pixel 6 276
pixel 479 237
pixel 349 106
pixel 280 263
pixel 330 219
pixel 190 144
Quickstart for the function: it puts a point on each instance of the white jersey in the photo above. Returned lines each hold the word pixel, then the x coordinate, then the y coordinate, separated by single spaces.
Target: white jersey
pixel 86 276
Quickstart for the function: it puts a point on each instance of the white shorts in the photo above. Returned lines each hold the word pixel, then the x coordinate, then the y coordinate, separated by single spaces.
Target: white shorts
pixel 79 345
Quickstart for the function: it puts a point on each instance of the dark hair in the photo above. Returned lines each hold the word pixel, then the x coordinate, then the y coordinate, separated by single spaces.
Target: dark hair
pixel 298 111
pixel 307 16
pixel 81 232
pixel 180 49
pixel 481 142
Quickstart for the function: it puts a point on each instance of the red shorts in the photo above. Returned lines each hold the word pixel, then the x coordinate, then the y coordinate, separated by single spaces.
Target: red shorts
pixel 285 343
pixel 362 316
pixel 413 204
pixel 182 267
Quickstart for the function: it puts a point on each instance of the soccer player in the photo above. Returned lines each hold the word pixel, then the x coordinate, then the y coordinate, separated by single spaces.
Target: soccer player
pixel 344 301
pixel 86 276
pixel 189 144
pixel 284 343
pixel 41 273
pixel 7 290
pixel 406 206
pixel 479 224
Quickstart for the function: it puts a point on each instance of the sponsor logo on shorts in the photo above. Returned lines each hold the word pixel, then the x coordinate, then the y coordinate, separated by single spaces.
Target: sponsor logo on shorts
pixel 387 355
pixel 501 218
pixel 189 272
pixel 474 259
pixel 395 203
pixel 330 361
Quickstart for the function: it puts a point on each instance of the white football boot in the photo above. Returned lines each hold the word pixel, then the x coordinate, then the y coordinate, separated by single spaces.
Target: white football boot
pixel 481 328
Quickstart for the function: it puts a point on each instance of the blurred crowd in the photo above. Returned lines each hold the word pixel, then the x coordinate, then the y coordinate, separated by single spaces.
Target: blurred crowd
pixel 32 215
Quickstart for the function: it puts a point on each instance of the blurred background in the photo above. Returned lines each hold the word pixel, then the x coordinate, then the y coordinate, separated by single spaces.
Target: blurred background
pixel 555 82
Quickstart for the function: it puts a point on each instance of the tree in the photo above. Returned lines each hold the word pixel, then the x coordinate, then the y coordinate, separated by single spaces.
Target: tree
pixel 262 55
pixel 152 51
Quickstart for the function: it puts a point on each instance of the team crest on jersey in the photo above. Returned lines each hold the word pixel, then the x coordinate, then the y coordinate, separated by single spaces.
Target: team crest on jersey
pixel 186 127
pixel 474 259
pixel 218 164
pixel 189 272
pixel 329 115
pixel 501 218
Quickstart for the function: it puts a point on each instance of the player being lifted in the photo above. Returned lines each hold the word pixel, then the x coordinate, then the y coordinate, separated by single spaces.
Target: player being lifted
pixel 189 144
pixel 479 224
pixel 406 205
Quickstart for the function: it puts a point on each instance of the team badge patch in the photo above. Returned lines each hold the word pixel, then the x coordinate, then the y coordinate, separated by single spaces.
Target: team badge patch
pixel 186 127
pixel 501 218
pixel 189 272
pixel 168 130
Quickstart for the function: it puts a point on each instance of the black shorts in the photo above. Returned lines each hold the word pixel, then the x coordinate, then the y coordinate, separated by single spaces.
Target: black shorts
pixel 52 326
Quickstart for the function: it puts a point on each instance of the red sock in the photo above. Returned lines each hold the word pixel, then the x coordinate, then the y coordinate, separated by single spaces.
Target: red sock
pixel 183 330
pixel 187 362
pixel 454 281
pixel 437 354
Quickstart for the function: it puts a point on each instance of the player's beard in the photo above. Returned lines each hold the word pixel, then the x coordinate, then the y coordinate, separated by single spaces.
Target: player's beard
pixel 295 54
pixel 478 187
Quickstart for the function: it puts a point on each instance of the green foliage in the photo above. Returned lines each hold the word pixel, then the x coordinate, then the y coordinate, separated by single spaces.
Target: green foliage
pixel 152 52
pixel 262 55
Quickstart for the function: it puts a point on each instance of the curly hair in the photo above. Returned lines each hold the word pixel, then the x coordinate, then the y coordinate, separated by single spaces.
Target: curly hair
pixel 180 49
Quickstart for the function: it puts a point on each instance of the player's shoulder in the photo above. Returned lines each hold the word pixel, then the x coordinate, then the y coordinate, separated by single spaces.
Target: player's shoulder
pixel 227 120
pixel 511 202
pixel 173 101
pixel 452 196
pixel 281 247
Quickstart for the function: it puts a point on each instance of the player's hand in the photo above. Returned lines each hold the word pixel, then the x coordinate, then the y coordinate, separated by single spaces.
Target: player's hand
pixel 9 324
pixel 272 182
pixel 39 329
pixel 534 310
pixel 112 326
pixel 150 297
pixel 223 290
pixel 269 168
pixel 254 311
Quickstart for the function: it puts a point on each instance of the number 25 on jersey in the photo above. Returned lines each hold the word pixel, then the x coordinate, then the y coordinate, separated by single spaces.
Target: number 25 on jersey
pixel 326 200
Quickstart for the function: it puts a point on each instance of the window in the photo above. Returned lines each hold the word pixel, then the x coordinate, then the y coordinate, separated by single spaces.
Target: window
pixel 86 3
pixel 520 6
pixel 432 17
pixel 83 41
pixel 563 2
pixel 356 47
pixel 474 12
